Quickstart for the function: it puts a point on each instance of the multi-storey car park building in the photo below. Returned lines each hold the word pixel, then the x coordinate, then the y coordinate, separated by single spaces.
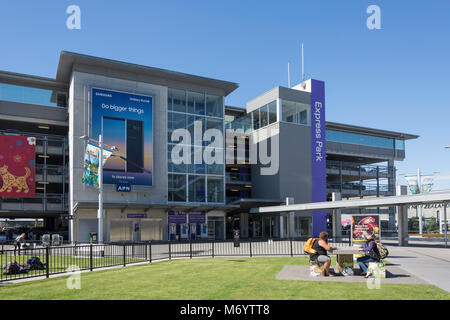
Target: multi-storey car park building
pixel 148 196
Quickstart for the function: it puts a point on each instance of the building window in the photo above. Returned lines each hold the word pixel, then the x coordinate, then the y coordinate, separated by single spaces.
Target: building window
pixel 176 100
pixel 38 96
pixel 215 189
pixel 256 120
pixel 359 139
pixel 175 121
pixel 196 188
pixel 196 103
pixel 272 112
pixel 214 106
pixel 177 187
pixel 264 114
pixel 400 145
pixel 295 112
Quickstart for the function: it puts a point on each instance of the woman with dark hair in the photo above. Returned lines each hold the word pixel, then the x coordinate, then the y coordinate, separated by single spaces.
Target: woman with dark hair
pixel 372 255
pixel 321 248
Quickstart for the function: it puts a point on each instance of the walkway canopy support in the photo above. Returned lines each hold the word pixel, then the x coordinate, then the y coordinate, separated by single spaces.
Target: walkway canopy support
pixel 402 202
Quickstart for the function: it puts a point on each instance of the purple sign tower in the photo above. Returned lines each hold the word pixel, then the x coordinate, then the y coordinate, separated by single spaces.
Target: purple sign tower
pixel 319 160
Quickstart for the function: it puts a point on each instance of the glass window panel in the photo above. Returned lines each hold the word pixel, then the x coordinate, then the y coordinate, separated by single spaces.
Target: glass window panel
pixel 178 168
pixel 197 188
pixel 216 169
pixel 359 139
pixel 214 106
pixel 215 190
pixel 196 103
pixel 256 120
pixel 176 100
pixel 263 112
pixel 9 92
pixel 272 112
pixel 288 111
pixel 175 121
pixel 214 124
pixel 199 168
pixel 177 187
pixel 303 117
pixel 400 144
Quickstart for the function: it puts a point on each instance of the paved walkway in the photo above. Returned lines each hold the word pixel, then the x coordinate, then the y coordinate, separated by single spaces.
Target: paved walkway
pixel 428 263
pixel 394 275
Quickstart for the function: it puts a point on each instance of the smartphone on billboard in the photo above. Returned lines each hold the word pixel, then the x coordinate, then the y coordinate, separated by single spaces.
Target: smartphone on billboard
pixel 135 146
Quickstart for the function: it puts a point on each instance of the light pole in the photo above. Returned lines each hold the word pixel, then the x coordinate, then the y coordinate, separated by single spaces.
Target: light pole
pixel 445 216
pixel 100 213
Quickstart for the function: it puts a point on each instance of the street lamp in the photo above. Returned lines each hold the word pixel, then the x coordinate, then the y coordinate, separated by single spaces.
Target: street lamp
pixel 100 214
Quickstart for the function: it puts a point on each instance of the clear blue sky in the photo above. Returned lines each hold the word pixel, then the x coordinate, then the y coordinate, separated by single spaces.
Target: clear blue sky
pixel 396 78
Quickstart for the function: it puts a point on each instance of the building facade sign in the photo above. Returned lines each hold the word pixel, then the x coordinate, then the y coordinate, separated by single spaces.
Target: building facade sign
pixel 318 148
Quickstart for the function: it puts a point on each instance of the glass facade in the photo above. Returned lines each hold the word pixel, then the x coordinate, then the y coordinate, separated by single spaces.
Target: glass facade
pixel 197 181
pixel 360 139
pixel 9 92
pixel 400 145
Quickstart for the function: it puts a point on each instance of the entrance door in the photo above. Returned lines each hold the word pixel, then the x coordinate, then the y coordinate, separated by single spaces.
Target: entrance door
pixel 121 230
pixel 151 229
pixel 216 226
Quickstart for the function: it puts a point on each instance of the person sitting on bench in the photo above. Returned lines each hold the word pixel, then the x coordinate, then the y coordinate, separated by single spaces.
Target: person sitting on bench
pixel 373 255
pixel 321 256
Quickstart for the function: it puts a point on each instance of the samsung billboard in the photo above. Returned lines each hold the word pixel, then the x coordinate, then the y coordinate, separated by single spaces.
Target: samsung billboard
pixel 125 121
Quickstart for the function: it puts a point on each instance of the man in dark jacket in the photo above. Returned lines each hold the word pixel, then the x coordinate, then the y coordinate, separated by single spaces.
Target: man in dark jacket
pixel 372 255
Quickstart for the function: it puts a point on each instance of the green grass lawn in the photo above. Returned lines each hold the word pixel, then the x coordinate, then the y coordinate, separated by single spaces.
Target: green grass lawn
pixel 61 263
pixel 210 279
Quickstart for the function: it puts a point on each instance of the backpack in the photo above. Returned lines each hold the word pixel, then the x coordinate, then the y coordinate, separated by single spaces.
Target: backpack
pixel 35 263
pixel 308 247
pixel 384 252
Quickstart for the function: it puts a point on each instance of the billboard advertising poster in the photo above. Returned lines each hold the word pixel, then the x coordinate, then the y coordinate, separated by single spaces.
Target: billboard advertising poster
pixel 126 122
pixel 363 225
pixel 318 151
pixel 17 166
pixel 90 167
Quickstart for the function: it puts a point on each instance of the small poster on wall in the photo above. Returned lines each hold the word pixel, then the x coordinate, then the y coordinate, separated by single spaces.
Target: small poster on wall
pixel 363 225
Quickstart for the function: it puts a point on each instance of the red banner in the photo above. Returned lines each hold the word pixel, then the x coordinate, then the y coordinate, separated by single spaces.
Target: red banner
pixel 17 166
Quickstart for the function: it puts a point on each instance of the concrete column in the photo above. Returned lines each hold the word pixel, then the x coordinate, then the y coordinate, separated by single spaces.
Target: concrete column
pixel 337 224
pixel 402 218
pixel 281 226
pixel 291 218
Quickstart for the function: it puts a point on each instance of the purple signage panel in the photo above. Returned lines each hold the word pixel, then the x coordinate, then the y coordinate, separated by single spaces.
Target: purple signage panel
pixel 197 217
pixel 176 217
pixel 137 216
pixel 319 160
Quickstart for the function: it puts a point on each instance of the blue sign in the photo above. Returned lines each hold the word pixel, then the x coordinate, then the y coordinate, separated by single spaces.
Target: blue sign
pixel 123 187
pixel 319 159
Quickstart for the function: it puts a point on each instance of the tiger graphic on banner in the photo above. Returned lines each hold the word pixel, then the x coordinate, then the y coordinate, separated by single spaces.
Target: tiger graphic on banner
pixel 10 181
pixel 17 166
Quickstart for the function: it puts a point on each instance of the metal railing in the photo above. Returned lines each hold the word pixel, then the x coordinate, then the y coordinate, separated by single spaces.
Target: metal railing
pixel 63 259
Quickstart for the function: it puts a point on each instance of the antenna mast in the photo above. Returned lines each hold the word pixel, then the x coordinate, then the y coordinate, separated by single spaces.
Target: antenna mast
pixel 303 64
pixel 289 76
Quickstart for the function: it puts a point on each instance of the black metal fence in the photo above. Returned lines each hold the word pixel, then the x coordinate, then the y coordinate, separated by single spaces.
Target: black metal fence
pixel 74 257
